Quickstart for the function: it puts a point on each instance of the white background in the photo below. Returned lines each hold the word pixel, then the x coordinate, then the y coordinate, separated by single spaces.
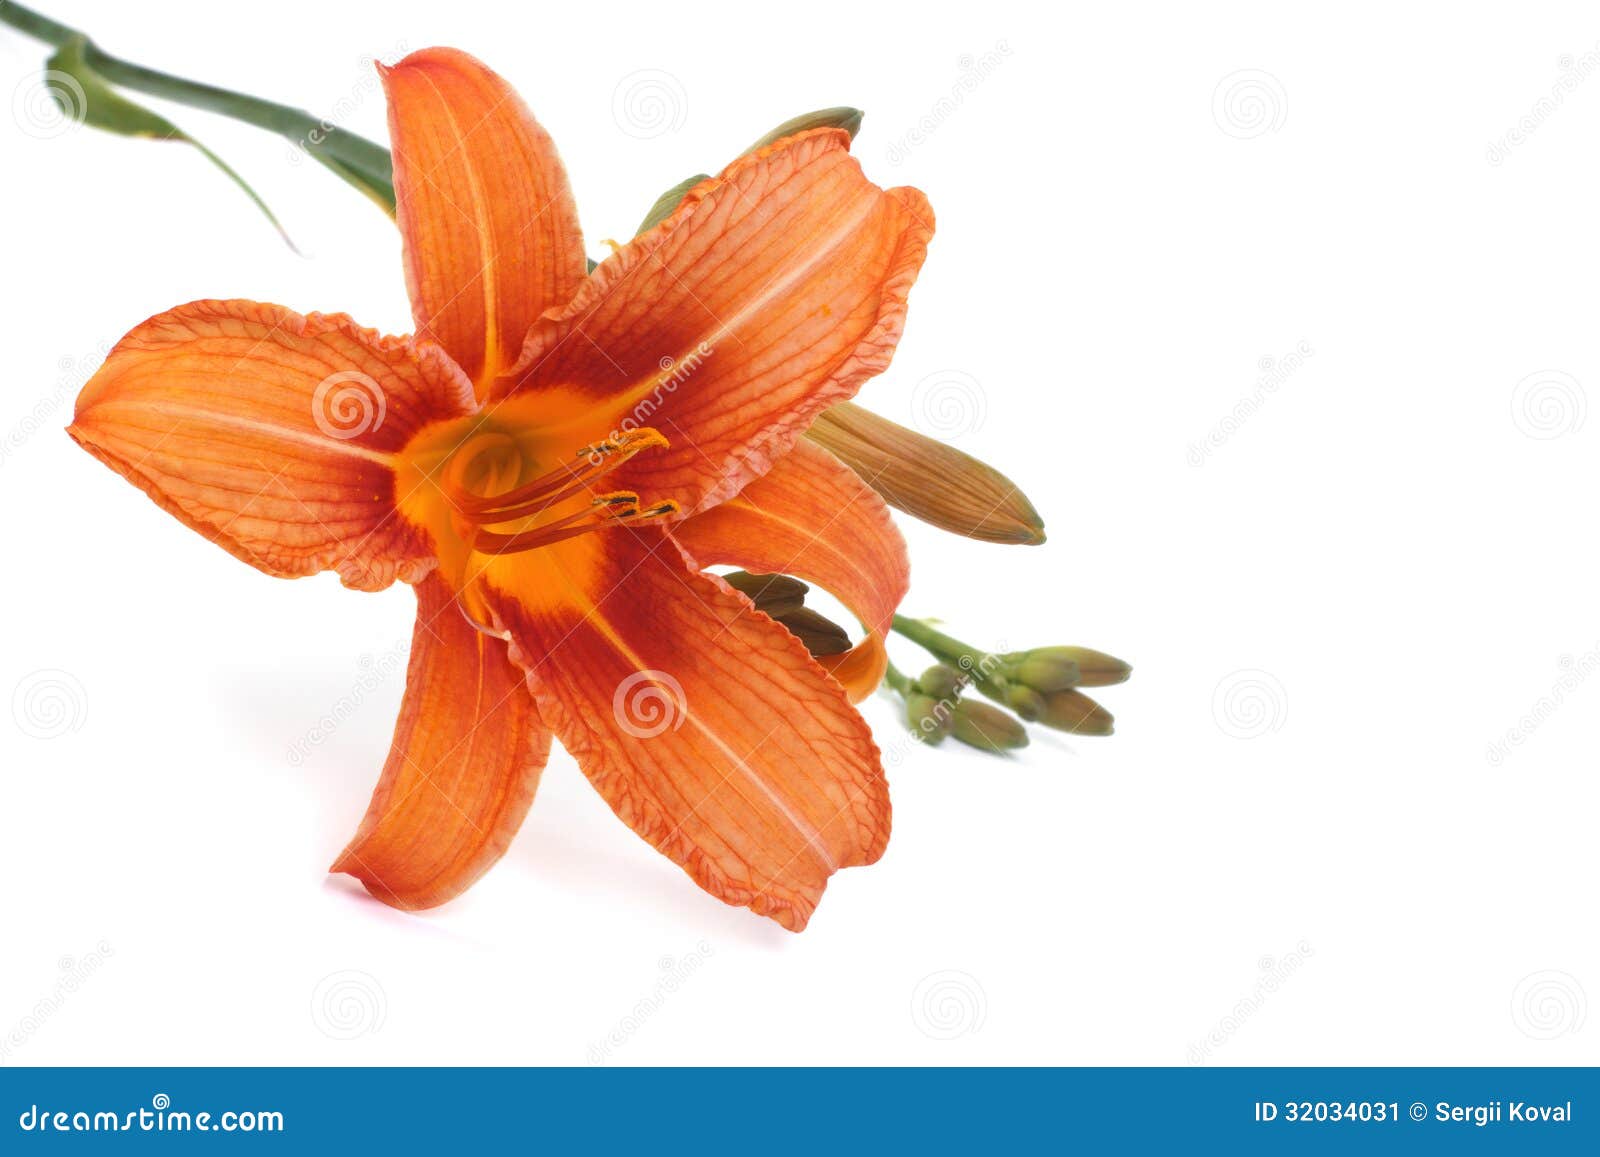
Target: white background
pixel 1297 848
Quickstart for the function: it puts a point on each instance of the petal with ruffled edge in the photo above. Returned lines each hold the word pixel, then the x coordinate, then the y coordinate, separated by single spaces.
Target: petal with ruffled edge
pixel 705 725
pixel 487 220
pixel 810 516
pixel 467 754
pixel 272 434
pixel 769 293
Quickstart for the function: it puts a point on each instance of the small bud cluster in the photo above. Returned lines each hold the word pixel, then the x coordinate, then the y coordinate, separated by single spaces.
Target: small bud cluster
pixel 935 710
pixel 1041 686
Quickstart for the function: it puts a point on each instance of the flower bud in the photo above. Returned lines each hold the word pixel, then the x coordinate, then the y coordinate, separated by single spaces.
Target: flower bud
pixel 1045 669
pixel 669 201
pixel 1095 668
pixel 1075 712
pixel 927 479
pixel 848 119
pixel 776 594
pixel 1024 700
pixel 928 718
pixel 821 635
pixel 987 728
pixel 941 682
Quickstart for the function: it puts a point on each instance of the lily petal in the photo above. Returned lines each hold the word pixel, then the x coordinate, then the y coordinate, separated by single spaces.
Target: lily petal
pixel 467 754
pixel 273 434
pixel 812 517
pixel 705 725
pixel 487 219
pixel 772 291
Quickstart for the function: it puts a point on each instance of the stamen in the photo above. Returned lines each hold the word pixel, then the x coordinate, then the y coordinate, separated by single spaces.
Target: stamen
pixel 619 510
pixel 599 458
pixel 475 511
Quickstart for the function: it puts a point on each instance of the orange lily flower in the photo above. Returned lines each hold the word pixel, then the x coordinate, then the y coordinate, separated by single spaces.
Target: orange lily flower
pixel 553 460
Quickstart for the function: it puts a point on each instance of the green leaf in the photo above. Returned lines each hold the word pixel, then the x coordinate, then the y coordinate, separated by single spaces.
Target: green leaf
pixel 84 95
pixel 380 192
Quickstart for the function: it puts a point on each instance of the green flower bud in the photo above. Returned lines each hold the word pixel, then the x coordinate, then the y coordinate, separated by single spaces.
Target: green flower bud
pixel 848 119
pixel 929 718
pixel 1095 668
pixel 942 682
pixel 1045 669
pixel 669 201
pixel 1075 712
pixel 987 728
pixel 1025 701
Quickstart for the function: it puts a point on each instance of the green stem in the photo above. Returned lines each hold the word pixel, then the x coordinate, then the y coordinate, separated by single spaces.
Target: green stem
pixel 945 648
pixel 322 141
pixel 897 679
